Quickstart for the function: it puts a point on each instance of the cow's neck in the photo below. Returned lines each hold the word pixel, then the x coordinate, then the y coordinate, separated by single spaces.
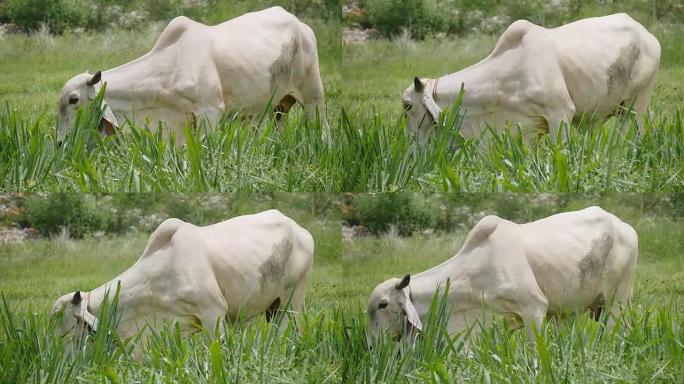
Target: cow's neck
pixel 134 292
pixel 130 82
pixel 480 81
pixel 457 271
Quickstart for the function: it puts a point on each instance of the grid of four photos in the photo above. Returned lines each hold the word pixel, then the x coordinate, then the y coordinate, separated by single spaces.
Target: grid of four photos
pixel 376 191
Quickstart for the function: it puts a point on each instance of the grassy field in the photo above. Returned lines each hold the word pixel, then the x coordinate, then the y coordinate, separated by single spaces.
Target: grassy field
pixel 368 148
pixel 574 350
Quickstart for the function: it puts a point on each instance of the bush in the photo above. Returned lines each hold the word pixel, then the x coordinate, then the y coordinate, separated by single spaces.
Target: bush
pixel 407 212
pixel 77 213
pixel 59 15
pixel 424 17
pixel 4 14
pixel 391 17
pixel 163 9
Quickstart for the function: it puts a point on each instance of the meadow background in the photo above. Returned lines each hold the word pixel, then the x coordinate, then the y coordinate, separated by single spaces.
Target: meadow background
pixel 367 147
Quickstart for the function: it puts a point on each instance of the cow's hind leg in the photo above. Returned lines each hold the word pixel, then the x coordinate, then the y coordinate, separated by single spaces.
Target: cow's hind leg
pixel 312 99
pixel 641 103
pixel 620 300
pixel 296 302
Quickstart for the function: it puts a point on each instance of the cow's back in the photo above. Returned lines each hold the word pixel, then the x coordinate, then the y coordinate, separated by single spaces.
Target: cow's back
pixel 577 255
pixel 255 55
pixel 251 255
pixel 604 60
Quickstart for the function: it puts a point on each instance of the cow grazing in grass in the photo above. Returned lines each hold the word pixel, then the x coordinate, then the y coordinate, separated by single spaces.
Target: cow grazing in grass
pixel 544 79
pixel 194 276
pixel 568 262
pixel 197 72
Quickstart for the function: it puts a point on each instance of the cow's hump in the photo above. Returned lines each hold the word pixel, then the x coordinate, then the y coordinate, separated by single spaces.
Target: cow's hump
pixel 161 237
pixel 481 232
pixel 174 31
pixel 512 37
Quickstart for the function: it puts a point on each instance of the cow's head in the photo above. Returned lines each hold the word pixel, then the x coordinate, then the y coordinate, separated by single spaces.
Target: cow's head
pixel 419 104
pixel 75 94
pixel 77 320
pixel 390 308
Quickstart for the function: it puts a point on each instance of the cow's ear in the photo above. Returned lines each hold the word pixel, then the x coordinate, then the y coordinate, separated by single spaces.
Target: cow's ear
pixel 418 85
pixel 95 79
pixel 76 300
pixel 404 282
pixel 410 311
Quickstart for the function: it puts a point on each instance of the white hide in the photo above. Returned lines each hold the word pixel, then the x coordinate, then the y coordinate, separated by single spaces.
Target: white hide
pixel 542 78
pixel 196 71
pixel 235 269
pixel 569 262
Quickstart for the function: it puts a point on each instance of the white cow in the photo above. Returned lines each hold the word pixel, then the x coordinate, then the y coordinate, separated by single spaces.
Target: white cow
pixel 235 269
pixel 196 71
pixel 567 262
pixel 546 78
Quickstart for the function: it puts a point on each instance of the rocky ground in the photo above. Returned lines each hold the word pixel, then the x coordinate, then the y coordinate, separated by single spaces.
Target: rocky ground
pixel 16 234
pixel 356 34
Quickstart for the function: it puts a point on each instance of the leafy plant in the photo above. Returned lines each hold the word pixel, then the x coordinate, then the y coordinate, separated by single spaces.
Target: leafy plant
pixel 53 213
pixel 58 15
pixel 403 211
pixel 391 17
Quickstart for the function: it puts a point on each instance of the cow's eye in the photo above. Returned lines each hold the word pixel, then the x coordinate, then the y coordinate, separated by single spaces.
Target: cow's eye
pixel 382 305
pixel 73 100
pixel 407 107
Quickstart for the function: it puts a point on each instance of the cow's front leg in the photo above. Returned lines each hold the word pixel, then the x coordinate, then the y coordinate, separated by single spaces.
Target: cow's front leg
pixel 559 127
pixel 531 306
pixel 210 320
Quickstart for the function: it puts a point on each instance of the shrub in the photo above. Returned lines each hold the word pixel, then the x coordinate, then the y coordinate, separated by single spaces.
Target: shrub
pixel 407 212
pixel 391 17
pixel 4 14
pixel 163 9
pixel 77 213
pixel 59 15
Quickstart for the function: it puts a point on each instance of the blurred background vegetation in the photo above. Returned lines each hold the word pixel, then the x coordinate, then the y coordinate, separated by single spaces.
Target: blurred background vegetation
pixel 421 18
pixel 405 214
pixel 85 215
pixel 58 16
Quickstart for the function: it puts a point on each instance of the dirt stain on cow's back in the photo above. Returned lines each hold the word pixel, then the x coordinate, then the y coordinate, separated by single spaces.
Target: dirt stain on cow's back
pixel 593 263
pixel 282 67
pixel 273 269
pixel 620 72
